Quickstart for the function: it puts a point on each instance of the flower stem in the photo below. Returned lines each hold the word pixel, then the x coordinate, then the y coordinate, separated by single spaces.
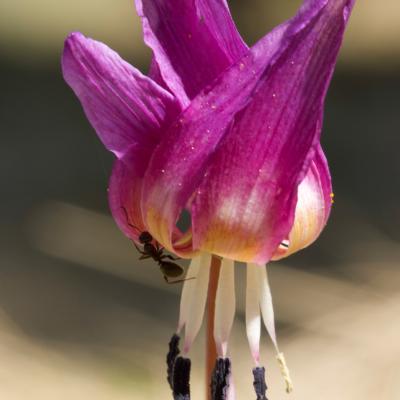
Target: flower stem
pixel 211 353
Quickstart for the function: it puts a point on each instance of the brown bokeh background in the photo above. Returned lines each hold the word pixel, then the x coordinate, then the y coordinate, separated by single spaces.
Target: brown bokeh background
pixel 81 318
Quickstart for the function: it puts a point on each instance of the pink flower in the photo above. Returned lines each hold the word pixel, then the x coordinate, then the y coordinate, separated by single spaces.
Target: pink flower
pixel 227 133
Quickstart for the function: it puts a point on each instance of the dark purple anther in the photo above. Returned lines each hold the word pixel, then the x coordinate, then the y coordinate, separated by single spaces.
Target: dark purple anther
pixel 259 383
pixel 171 357
pixel 220 379
pixel 181 379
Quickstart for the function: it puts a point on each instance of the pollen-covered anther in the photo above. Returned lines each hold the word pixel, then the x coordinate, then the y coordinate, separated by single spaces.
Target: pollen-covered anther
pixel 285 372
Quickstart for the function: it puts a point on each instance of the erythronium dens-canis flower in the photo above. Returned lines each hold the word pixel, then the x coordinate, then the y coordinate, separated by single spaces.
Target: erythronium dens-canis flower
pixel 226 133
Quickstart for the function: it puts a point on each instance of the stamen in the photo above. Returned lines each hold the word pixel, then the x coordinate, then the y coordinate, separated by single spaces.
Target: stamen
pixel 171 357
pixel 220 379
pixel 195 298
pixel 267 311
pixel 181 382
pixel 187 292
pixel 259 384
pixel 225 304
pixel 253 318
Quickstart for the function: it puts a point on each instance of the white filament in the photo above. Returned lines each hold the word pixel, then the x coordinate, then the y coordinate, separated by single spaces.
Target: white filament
pixel 194 297
pixel 187 291
pixel 253 318
pixel 267 309
pixel 225 304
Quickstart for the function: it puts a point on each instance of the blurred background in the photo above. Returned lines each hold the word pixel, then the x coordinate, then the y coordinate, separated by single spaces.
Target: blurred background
pixel 81 318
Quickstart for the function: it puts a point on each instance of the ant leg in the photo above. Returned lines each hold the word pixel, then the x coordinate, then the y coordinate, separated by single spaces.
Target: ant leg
pixel 172 258
pixel 127 218
pixel 178 281
pixel 160 248
pixel 137 248
pixel 144 255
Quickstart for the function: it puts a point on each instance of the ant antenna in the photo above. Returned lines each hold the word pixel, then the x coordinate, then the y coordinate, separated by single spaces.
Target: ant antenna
pixel 178 281
pixel 127 219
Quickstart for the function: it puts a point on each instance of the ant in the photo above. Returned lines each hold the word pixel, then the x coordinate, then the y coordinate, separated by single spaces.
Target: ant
pixel 169 269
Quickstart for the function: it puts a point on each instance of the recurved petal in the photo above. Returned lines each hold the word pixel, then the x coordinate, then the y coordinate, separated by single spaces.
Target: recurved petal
pixel 321 164
pixel 193 41
pixel 241 149
pixel 123 105
pixel 180 161
pixel 125 190
pixel 314 202
pixel 249 195
pixel 125 195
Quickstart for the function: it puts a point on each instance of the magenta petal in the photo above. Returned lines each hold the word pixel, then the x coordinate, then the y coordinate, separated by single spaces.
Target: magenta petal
pixel 321 164
pixel 314 202
pixel 193 41
pixel 179 162
pixel 241 149
pixel 125 194
pixel 251 187
pixel 125 190
pixel 122 105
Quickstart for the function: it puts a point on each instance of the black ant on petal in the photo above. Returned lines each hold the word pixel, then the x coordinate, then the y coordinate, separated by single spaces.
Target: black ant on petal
pixel 169 269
